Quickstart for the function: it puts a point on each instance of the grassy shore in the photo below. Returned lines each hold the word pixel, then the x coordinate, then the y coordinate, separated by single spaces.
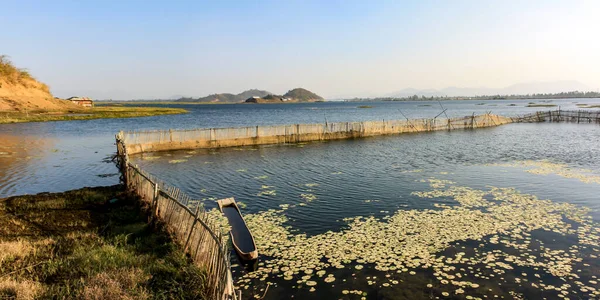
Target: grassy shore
pixel 87 114
pixel 92 243
pixel 158 102
pixel 540 105
pixel 583 105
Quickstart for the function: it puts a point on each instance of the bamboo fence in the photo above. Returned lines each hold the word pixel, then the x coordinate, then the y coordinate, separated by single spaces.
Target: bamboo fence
pixel 574 116
pixel 161 140
pixel 187 222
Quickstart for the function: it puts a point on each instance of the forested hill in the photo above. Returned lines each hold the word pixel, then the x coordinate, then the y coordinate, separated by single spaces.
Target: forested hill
pixel 294 95
pixel 301 94
pixel 228 97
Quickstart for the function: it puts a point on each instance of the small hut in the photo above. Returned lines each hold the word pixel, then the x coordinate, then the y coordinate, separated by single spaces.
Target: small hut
pixel 82 101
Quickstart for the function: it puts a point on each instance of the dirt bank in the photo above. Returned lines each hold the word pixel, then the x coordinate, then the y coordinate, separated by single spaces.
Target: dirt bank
pixel 19 91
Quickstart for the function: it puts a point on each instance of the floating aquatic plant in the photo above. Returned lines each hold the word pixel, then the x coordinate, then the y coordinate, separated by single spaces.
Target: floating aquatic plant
pixel 150 157
pixel 369 201
pixel 413 171
pixel 177 161
pixel 308 197
pixel 267 193
pixel 216 217
pixel 545 167
pixel 410 239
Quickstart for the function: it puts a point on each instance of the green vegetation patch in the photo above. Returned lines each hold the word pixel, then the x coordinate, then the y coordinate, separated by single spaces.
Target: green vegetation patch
pixel 102 112
pixel 585 105
pixel 92 243
pixel 540 105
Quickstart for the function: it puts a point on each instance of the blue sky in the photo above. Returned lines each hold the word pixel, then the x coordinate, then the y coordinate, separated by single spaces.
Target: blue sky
pixel 153 49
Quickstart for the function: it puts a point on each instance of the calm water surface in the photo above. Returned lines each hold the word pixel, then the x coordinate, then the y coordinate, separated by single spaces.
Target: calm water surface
pixel 59 156
pixel 316 192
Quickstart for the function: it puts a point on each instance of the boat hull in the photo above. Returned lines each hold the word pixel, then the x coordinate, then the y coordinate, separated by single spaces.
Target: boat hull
pixel 241 237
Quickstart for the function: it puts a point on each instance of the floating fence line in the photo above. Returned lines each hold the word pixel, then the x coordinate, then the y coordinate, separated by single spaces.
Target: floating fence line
pixel 186 220
pixel 575 116
pixel 162 140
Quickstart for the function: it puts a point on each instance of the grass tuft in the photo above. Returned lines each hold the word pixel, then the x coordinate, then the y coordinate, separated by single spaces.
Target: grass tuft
pixel 12 289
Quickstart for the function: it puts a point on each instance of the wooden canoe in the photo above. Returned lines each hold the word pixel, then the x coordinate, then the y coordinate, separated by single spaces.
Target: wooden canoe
pixel 241 237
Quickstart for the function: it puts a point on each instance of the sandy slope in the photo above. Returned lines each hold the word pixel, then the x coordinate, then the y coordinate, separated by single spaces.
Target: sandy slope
pixel 29 94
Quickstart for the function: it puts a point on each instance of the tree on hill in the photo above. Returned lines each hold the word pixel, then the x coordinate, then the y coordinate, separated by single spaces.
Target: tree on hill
pixel 301 94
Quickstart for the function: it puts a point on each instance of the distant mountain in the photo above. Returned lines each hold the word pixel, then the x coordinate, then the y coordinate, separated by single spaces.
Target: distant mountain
pixel 301 94
pixel 227 97
pixel 515 89
pixel 175 97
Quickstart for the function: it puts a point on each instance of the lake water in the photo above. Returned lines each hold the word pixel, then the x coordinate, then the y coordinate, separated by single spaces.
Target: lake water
pixel 509 211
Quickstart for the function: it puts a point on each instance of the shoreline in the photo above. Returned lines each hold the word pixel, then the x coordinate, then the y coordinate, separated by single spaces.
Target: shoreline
pixel 102 112
pixel 365 100
pixel 128 103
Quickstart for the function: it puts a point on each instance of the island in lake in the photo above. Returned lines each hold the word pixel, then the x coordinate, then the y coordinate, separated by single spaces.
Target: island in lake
pixel 257 96
pixel 295 95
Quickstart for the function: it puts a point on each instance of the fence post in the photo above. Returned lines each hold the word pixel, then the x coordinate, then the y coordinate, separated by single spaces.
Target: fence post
pixel 154 206
pixel 185 248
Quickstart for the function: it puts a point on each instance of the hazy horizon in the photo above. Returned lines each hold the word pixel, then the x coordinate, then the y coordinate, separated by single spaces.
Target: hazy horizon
pixel 148 50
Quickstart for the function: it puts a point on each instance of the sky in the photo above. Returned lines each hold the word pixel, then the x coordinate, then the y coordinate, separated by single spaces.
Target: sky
pixel 159 49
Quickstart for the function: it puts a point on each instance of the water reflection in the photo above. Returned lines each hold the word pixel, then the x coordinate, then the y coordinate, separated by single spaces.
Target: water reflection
pixel 43 162
pixel 19 158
